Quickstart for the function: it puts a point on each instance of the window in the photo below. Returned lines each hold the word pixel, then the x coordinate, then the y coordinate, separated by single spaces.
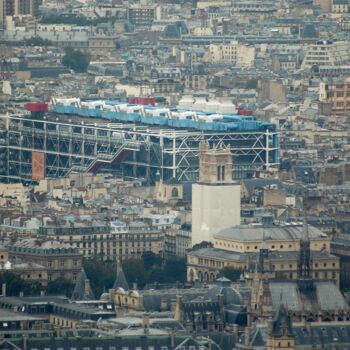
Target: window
pixel 62 263
pixel 175 192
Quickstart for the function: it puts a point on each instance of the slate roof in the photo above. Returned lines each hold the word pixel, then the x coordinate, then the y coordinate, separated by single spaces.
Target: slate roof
pixel 99 340
pixel 251 184
pixel 282 320
pixel 120 280
pixel 326 296
pixel 254 233
pixel 330 335
pixel 79 292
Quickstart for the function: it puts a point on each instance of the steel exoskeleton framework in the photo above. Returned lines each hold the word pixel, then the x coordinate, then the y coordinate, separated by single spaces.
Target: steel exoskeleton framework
pixel 76 144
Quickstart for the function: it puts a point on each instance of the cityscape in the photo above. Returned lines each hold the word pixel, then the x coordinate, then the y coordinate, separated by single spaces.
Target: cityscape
pixel 174 174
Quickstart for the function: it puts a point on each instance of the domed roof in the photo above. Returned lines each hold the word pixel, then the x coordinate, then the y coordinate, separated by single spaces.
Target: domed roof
pixel 105 296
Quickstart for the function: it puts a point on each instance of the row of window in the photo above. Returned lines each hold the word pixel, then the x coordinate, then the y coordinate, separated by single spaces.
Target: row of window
pixel 63 263
pixel 191 347
pixel 228 245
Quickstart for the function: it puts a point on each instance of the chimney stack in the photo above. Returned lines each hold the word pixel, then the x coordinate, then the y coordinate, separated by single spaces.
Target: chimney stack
pixel 145 321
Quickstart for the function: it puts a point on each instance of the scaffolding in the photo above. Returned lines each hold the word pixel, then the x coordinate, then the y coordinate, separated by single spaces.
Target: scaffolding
pixel 76 144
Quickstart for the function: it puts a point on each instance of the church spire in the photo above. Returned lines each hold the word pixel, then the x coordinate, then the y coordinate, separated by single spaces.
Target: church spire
pixel 120 280
pixel 263 254
pixel 305 256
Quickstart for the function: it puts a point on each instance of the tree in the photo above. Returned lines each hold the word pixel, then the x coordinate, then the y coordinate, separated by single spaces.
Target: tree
pixel 175 270
pixel 15 285
pixel 76 60
pixel 37 41
pixel 203 244
pixel 60 286
pixel 232 273
pixel 150 259
pixel 100 274
pixel 135 272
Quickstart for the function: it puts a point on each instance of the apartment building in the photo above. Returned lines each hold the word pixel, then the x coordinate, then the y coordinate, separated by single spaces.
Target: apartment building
pixel 327 53
pixel 252 6
pixel 116 241
pixel 340 6
pixel 18 7
pixel 234 53
pixel 336 93
pixel 141 15
pixel 59 259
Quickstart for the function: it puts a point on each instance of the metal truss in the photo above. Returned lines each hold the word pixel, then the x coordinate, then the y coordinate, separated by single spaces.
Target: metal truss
pixel 138 150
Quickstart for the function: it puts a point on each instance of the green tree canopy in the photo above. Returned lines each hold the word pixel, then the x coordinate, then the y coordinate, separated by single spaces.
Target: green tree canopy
pixel 60 286
pixel 37 41
pixel 151 259
pixel 76 60
pixel 100 274
pixel 135 272
pixel 15 285
pixel 231 273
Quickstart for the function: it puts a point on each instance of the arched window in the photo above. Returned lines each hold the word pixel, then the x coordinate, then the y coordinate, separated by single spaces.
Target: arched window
pixel 175 192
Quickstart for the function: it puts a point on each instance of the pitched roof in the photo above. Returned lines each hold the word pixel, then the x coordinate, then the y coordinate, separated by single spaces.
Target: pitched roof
pixel 120 279
pixel 82 289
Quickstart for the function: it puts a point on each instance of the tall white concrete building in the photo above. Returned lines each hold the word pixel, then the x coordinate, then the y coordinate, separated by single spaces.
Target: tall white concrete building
pixel 216 199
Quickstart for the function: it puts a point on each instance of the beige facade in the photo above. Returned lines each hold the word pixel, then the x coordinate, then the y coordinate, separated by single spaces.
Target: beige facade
pixel 207 266
pixel 113 244
pixel 340 6
pixel 324 4
pixel 233 53
pixel 327 54
pixel 169 192
pixel 102 43
pixel 240 242
pixel 215 198
pixel 59 263
pixel 275 197
pixel 196 82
